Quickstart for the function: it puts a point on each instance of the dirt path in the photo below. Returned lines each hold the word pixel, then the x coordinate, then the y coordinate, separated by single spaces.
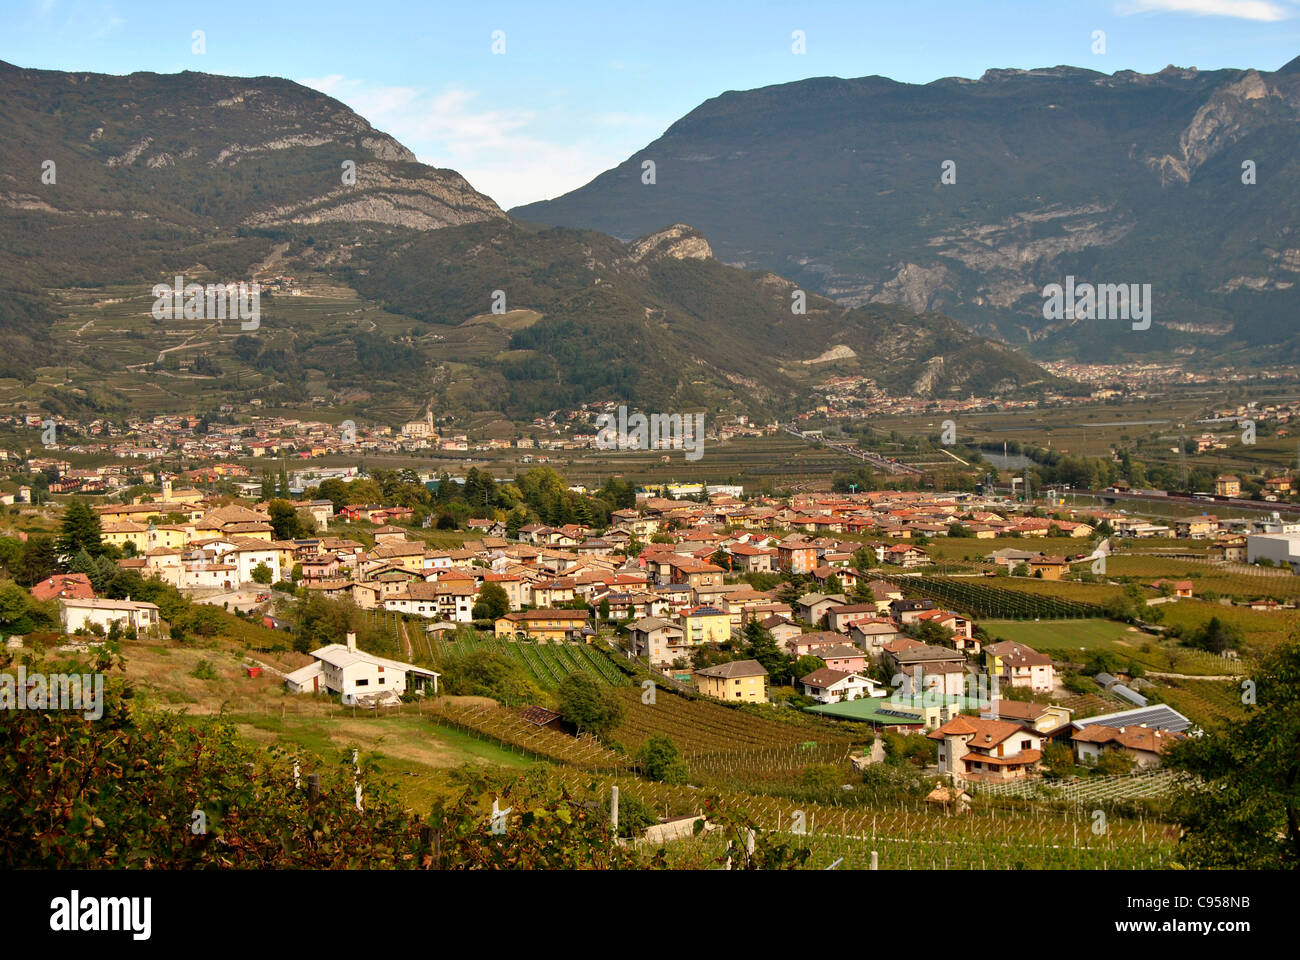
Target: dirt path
pixel 1192 676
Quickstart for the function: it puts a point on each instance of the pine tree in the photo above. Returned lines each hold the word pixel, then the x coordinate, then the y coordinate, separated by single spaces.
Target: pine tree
pixel 102 574
pixel 79 530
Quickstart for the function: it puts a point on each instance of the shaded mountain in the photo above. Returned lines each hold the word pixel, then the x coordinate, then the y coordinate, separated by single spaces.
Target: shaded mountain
pixel 660 322
pixel 394 277
pixel 1128 178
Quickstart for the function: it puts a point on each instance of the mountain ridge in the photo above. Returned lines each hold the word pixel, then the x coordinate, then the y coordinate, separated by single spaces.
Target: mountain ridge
pixel 1057 171
pixel 225 178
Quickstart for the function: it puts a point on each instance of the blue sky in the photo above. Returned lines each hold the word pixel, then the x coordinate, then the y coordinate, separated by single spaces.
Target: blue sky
pixel 581 86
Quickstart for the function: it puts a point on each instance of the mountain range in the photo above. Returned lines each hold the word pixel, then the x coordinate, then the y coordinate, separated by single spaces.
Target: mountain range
pixel 1051 173
pixel 411 289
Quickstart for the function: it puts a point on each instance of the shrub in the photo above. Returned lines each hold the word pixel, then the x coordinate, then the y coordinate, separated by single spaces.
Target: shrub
pixel 660 760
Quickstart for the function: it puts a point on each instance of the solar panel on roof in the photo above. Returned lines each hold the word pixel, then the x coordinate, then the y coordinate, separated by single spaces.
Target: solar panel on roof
pixel 1157 717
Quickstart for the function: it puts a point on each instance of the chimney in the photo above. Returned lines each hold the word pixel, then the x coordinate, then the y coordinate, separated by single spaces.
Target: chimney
pixel 1121 729
pixel 352 641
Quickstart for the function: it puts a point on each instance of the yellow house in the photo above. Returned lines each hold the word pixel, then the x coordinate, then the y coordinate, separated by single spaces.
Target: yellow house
pixel 741 681
pixel 706 625
pixel 1227 486
pixel 171 536
pixel 550 626
pixel 121 532
pixel 1048 568
pixel 409 554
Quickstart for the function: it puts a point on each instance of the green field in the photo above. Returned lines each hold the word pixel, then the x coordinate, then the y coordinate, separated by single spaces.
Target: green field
pixel 1078 640
pixel 1073 635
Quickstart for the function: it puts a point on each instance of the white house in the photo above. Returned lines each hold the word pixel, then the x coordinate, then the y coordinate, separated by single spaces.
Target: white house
pixel 249 554
pixel 75 614
pixel 441 600
pixel 831 686
pixel 359 677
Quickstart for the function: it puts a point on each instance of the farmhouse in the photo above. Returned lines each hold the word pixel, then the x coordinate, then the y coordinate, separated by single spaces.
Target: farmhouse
pixel 359 677
pixel 77 613
pixel 444 600
pixel 1143 744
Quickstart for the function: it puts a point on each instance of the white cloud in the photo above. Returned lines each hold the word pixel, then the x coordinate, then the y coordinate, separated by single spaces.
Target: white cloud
pixel 492 148
pixel 1265 10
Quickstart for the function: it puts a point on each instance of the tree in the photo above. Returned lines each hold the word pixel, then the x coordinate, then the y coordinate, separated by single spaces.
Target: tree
pixel 284 520
pixel 18 610
pixel 37 561
pixel 929 632
pixel 589 705
pixel 1058 758
pixel 518 517
pixel 808 664
pixel 79 530
pixel 322 620
pixel 661 760
pixel 492 602
pixel 635 816
pixel 864 558
pixel 1215 636
pixel 261 574
pixel 762 646
pixel 1103 661
pixel 1114 762
pixel 1244 808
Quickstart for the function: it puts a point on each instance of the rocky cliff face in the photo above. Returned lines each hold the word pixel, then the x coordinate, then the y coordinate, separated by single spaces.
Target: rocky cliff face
pixel 278 146
pixel 678 242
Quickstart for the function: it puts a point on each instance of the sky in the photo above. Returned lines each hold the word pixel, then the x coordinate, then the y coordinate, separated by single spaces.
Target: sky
pixel 573 89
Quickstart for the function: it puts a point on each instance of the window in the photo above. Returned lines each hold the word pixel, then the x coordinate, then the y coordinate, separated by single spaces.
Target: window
pixel 1026 744
pixel 362 683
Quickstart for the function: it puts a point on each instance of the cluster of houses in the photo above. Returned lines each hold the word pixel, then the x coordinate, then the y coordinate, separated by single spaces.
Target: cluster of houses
pixel 1009 744
pixel 673 597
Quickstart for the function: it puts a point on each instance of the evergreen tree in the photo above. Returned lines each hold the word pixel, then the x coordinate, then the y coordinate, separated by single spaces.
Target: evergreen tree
pixel 103 574
pixel 79 530
pixel 37 561
pixel 81 562
pixel 762 646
